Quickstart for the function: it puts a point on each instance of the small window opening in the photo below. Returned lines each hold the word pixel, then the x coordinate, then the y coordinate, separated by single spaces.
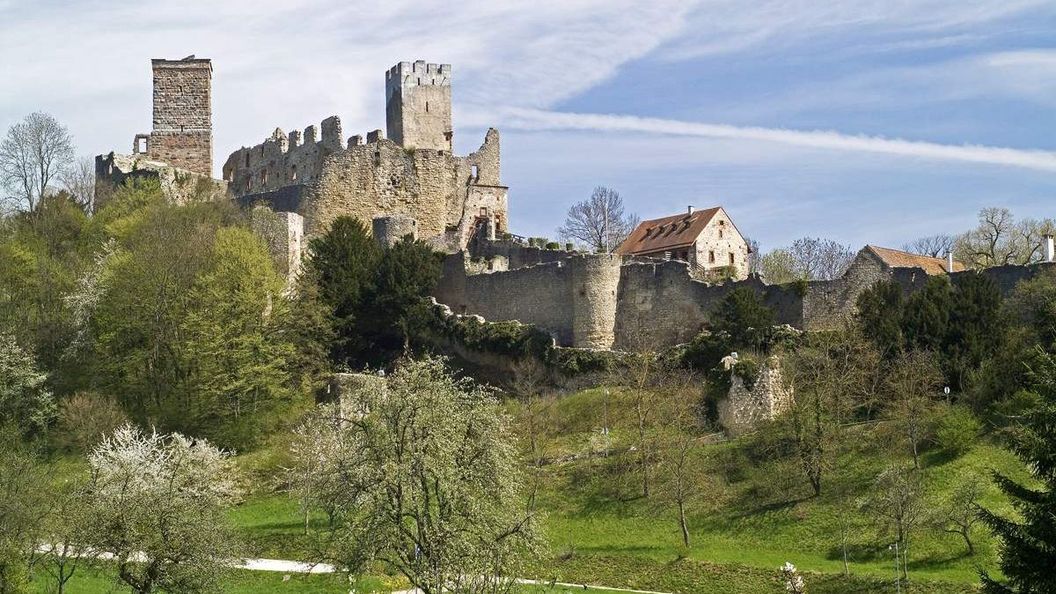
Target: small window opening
pixel 731 258
pixel 720 233
pixel 483 211
pixel 426 107
pixel 247 158
pixel 264 178
pixel 476 172
pixel 711 257
pixel 293 172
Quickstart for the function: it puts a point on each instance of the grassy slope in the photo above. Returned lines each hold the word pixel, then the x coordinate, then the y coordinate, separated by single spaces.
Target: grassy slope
pixel 763 517
pixel 601 533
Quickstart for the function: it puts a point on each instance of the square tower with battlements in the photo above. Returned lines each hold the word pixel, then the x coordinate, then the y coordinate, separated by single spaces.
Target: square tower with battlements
pixel 182 134
pixel 418 105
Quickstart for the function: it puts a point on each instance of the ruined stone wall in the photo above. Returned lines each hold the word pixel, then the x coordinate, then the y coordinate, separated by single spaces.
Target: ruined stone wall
pixel 179 186
pixel 283 232
pixel 282 159
pixel 538 295
pixel 418 105
pixel 828 304
pixel 744 408
pixel 182 134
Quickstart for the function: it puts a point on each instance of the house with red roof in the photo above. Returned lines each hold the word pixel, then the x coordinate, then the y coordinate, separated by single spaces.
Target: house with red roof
pixel 707 239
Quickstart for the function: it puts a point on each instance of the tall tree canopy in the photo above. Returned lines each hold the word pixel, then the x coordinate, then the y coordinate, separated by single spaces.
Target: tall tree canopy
pixel 600 222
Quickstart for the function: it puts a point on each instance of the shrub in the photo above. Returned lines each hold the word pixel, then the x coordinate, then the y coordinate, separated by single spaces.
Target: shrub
pixel 553 245
pixel 957 430
pixel 86 418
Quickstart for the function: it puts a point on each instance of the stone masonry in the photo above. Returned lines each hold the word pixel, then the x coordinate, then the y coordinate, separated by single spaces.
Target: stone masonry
pixel 418 105
pixel 182 135
pixel 412 174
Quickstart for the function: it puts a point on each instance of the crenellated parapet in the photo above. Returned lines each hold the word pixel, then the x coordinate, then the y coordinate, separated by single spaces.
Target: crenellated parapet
pixel 283 159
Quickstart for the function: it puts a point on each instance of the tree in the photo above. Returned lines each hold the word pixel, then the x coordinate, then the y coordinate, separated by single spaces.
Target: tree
pixel 681 465
pixel 407 273
pixel 999 240
pixel 961 511
pixel 343 264
pixel 235 353
pixel 913 380
pixel 79 182
pixel 157 506
pixel 25 402
pixel 744 317
pixel 64 530
pixel 878 312
pixel 599 222
pixel 432 484
pixel 898 507
pixel 755 256
pixel 778 267
pixel 23 507
pixel 935 246
pixel 315 451
pixel 33 154
pixel 1027 552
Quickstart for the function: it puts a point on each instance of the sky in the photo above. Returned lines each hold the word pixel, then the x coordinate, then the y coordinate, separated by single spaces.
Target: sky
pixel 863 121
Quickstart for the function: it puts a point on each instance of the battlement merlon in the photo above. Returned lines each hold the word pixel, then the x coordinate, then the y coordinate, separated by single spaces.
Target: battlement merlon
pixel 418 73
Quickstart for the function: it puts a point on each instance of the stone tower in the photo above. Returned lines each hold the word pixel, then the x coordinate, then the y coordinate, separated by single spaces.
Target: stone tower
pixel 182 134
pixel 418 105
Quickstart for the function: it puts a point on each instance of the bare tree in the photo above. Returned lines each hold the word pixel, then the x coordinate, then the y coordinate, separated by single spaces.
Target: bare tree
pixel 898 507
pixel 600 222
pixel 755 257
pixel 79 181
pixel 808 258
pixel 962 511
pixel 913 380
pixel 936 246
pixel 33 154
pixel 999 240
pixel 682 476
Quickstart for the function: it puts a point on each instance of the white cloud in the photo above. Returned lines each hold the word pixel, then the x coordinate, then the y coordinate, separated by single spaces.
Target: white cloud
pixel 529 119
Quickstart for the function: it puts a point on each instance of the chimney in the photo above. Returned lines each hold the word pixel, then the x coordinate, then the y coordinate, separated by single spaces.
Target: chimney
pixel 690 209
pixel 949 262
pixel 1048 248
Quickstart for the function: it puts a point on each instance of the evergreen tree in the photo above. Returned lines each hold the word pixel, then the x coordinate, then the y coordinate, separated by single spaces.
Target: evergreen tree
pixel 408 272
pixel 975 327
pixel 926 315
pixel 880 316
pixel 744 316
pixel 1028 554
pixel 343 264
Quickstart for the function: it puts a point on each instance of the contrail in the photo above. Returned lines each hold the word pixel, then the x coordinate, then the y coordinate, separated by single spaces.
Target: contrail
pixel 533 119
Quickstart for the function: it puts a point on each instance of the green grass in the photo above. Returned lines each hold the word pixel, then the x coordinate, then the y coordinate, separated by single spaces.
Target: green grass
pixel 100 581
pixel 763 516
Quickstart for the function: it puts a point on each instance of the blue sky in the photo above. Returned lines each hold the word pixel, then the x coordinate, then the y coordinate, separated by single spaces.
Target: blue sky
pixel 866 121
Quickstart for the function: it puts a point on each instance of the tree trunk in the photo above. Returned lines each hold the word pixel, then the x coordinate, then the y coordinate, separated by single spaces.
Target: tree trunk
pixel 682 523
pixel 968 542
pixel 643 463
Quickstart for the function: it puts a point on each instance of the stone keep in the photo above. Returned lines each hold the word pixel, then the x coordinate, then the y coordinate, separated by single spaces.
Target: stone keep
pixel 418 105
pixel 182 134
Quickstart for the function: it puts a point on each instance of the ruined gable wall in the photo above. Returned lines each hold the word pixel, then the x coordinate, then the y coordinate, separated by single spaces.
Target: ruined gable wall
pixel 828 304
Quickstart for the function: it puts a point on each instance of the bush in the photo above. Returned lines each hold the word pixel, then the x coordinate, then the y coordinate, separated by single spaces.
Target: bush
pixel 553 245
pixel 957 430
pixel 86 418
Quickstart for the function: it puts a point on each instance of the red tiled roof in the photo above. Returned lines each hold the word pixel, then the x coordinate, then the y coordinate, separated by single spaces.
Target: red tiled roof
pixel 900 259
pixel 658 235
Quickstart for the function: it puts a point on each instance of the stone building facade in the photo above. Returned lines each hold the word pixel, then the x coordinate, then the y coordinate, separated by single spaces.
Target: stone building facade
pixel 707 239
pixel 182 134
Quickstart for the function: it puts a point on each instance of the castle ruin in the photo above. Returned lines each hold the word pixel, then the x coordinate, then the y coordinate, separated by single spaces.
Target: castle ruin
pixel 411 183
